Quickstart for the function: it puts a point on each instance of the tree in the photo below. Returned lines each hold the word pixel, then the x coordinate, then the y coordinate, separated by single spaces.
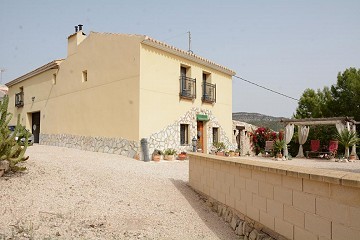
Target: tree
pixel 346 94
pixel 313 104
pixel 341 99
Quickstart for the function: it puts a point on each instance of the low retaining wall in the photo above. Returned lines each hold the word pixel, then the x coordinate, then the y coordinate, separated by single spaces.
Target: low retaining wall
pixel 295 202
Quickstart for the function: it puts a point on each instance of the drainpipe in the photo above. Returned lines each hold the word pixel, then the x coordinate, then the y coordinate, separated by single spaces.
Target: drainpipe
pixel 145 149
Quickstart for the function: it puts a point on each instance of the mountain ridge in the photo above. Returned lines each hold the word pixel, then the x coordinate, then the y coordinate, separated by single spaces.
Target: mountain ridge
pixel 260 120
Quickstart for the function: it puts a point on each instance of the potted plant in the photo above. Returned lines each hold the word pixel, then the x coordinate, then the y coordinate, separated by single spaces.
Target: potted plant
pixel 347 138
pixel 182 156
pixel 278 147
pixel 237 152
pixel 169 154
pixel 352 157
pixel 232 153
pixel 156 155
pixel 220 147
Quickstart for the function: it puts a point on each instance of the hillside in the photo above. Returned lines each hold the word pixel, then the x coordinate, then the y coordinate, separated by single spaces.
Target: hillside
pixel 259 120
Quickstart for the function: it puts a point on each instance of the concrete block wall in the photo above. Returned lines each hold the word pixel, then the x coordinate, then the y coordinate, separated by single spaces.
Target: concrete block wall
pixel 296 202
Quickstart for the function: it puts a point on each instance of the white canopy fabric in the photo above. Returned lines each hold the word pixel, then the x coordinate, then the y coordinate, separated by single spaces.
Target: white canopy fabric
pixel 353 149
pixel 303 135
pixel 289 132
pixel 340 127
pixel 350 124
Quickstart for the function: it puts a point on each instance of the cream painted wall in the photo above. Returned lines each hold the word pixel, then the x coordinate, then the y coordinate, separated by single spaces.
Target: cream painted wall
pixel 160 87
pixel 106 105
pixel 132 90
pixel 109 100
pixel 39 87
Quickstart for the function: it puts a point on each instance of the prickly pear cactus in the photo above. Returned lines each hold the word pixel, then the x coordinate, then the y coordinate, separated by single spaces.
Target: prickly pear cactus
pixel 11 148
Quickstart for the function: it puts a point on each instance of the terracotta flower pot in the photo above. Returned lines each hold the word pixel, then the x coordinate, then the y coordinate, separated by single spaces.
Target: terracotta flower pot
pixel 182 156
pixel 220 153
pixel 156 158
pixel 232 154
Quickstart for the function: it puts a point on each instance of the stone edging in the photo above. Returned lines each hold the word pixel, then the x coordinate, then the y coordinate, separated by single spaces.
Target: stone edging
pixel 321 175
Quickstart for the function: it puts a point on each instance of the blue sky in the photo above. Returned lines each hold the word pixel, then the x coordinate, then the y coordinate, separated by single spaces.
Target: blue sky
pixel 287 46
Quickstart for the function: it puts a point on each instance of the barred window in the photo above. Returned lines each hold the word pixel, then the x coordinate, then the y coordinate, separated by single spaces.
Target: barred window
pixel 184 134
pixel 215 134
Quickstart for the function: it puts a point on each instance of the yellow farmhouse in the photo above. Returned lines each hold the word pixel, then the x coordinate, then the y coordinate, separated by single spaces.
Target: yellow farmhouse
pixel 113 90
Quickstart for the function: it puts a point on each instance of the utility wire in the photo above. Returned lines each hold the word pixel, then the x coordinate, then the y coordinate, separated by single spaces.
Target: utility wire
pixel 268 89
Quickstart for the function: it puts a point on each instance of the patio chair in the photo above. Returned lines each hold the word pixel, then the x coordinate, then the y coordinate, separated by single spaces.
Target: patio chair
pixel 333 147
pixel 314 147
pixel 269 148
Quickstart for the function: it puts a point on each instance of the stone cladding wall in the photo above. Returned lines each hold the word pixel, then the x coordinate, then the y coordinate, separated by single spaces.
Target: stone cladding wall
pixel 95 144
pixel 169 137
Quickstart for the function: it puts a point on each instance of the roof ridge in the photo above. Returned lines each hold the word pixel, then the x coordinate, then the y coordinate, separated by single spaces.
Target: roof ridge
pixel 119 34
pixel 153 40
pixel 147 38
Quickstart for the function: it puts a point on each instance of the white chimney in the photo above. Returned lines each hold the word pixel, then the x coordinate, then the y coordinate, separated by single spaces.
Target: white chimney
pixel 75 39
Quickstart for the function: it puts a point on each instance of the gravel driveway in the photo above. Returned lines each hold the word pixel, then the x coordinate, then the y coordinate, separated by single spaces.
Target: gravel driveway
pixel 74 194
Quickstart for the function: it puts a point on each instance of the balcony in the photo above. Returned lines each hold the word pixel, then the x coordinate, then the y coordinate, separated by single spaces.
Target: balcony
pixel 19 99
pixel 209 92
pixel 187 87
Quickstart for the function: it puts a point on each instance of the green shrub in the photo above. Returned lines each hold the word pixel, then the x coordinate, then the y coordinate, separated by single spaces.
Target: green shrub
pixel 220 146
pixel 169 151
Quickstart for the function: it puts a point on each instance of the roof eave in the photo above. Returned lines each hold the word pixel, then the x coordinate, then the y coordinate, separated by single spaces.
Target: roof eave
pixel 189 56
pixel 51 65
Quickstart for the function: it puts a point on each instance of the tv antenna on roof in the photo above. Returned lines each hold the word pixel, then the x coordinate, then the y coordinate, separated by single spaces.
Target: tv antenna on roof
pixel 189 34
pixel 1 71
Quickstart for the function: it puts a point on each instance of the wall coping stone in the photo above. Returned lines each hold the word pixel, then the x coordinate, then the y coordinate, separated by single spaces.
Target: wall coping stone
pixel 349 179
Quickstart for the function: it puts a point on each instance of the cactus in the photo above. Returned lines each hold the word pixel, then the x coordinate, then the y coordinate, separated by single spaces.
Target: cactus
pixel 11 148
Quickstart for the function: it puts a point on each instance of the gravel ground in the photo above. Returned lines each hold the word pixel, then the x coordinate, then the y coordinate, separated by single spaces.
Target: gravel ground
pixel 74 194
pixel 314 163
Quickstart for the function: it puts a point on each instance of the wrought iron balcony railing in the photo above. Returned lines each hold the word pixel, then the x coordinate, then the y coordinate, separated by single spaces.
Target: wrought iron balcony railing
pixel 209 92
pixel 19 99
pixel 187 87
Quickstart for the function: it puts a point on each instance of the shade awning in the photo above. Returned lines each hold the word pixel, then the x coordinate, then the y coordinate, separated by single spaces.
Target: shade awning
pixel 202 117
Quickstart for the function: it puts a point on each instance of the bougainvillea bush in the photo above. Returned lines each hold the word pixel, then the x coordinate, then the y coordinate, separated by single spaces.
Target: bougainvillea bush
pixel 260 136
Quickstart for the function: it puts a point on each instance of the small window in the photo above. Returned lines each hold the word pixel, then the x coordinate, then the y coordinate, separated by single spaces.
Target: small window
pixel 184 134
pixel 84 76
pixel 19 98
pixel 183 71
pixel 206 77
pixel 54 79
pixel 215 135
